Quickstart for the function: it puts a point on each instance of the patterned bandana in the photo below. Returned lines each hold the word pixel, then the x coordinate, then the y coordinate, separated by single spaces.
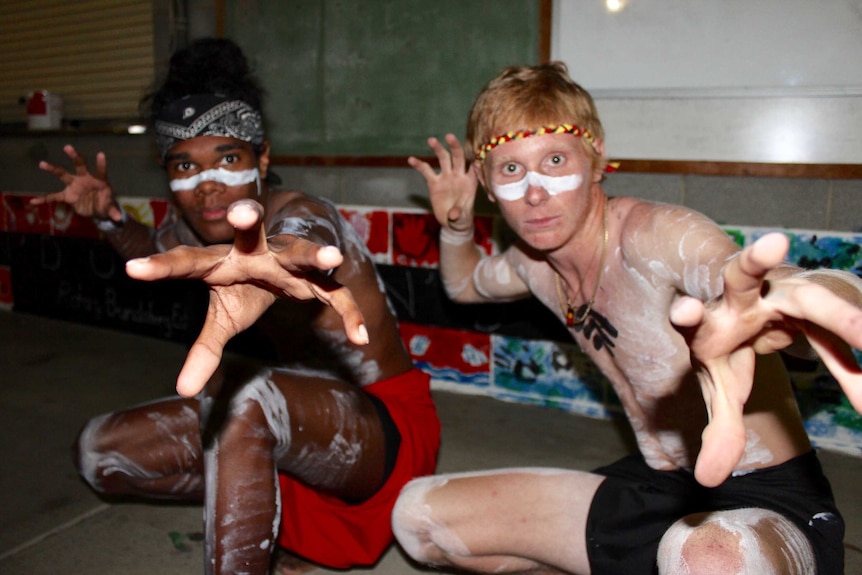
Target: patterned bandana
pixel 207 115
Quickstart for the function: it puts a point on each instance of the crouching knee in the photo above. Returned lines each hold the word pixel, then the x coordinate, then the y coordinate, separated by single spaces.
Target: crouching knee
pixel 740 542
pixel 422 535
pixel 90 453
pixel 108 455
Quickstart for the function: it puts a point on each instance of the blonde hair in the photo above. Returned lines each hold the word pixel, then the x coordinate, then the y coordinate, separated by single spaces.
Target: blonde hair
pixel 527 98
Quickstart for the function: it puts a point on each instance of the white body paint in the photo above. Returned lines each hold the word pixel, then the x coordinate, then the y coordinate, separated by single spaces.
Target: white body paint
pixel 412 518
pixel 94 463
pixel 332 465
pixel 743 524
pixel 263 391
pixel 554 185
pixel 756 454
pixel 641 279
pixel 260 390
pixel 219 175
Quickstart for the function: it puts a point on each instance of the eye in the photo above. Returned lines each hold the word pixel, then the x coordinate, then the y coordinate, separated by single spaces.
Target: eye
pixel 511 169
pixel 183 166
pixel 230 159
pixel 557 160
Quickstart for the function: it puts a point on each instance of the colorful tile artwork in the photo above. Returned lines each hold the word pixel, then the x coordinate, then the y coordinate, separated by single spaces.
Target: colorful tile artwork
pixel 372 225
pixel 21 216
pixel 450 356
pixel 57 219
pixel 552 374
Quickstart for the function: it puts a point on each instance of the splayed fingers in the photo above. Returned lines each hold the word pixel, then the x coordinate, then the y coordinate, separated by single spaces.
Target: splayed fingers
pixel 756 315
pixel 88 193
pixel 720 338
pixel 244 281
pixel 453 188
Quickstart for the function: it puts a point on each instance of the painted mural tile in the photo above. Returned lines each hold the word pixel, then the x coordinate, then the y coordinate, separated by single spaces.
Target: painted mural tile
pixel 65 222
pixel 159 208
pixel 738 236
pixel 449 355
pixel 811 251
pixel 549 373
pixel 372 225
pixel 20 216
pixel 825 433
pixel 414 239
pixel 140 209
pixel 486 236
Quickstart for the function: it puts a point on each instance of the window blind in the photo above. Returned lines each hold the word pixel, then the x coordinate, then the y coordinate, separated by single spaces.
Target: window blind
pixel 97 54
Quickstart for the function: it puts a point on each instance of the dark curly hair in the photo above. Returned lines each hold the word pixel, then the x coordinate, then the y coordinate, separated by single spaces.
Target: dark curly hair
pixel 206 66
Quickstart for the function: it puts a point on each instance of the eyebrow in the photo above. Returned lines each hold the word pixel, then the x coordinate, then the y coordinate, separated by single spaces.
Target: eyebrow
pixel 232 146
pixel 221 148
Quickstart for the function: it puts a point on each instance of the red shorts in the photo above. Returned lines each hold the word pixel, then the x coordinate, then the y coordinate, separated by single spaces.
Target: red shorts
pixel 329 531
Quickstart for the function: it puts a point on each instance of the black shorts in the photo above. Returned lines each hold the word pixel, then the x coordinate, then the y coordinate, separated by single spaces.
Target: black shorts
pixel 635 506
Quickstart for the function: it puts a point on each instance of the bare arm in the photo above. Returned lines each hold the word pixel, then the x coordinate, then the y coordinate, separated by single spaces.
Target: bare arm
pixel 468 274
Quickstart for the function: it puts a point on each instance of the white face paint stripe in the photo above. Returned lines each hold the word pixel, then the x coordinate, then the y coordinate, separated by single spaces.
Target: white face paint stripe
pixel 554 185
pixel 220 175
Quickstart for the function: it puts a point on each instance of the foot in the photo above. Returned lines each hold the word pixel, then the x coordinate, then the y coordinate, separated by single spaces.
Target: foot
pixel 285 563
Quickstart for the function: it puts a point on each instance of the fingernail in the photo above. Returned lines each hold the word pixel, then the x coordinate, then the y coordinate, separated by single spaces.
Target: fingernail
pixel 363 334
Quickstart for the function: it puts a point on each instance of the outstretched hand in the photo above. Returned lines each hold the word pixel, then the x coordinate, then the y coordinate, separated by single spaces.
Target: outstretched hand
pixel 89 193
pixel 453 188
pixel 244 280
pixel 754 316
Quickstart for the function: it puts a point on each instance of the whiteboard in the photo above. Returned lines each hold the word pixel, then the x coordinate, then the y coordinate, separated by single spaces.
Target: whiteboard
pixel 730 80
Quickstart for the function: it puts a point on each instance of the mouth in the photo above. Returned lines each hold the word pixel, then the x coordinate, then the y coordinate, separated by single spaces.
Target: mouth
pixel 541 223
pixel 214 214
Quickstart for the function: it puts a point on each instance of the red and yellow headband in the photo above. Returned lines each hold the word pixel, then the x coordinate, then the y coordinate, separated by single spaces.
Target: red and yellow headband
pixel 492 143
pixel 572 129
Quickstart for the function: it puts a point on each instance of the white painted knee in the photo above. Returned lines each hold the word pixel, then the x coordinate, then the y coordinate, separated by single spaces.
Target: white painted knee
pixel 88 458
pixel 261 393
pixel 738 542
pixel 420 533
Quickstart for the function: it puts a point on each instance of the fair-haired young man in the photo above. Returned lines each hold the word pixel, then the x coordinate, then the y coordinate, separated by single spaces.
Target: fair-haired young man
pixel 684 325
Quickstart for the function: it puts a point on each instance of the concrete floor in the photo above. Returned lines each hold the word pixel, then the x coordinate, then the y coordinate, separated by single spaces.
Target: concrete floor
pixel 55 375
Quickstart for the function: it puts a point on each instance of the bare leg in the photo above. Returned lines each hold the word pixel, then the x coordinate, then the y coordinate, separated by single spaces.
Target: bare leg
pixel 322 431
pixel 505 521
pixel 150 450
pixel 735 542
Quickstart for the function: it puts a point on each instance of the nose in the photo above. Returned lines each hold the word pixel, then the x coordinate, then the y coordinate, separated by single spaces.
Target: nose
pixel 208 187
pixel 536 195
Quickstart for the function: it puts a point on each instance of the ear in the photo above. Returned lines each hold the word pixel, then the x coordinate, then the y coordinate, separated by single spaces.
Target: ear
pixel 480 175
pixel 599 166
pixel 263 159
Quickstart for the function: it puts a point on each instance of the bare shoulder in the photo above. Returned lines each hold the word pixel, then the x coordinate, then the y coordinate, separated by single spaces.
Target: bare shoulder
pixel 279 200
pixel 672 245
pixel 663 226
pixel 636 214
